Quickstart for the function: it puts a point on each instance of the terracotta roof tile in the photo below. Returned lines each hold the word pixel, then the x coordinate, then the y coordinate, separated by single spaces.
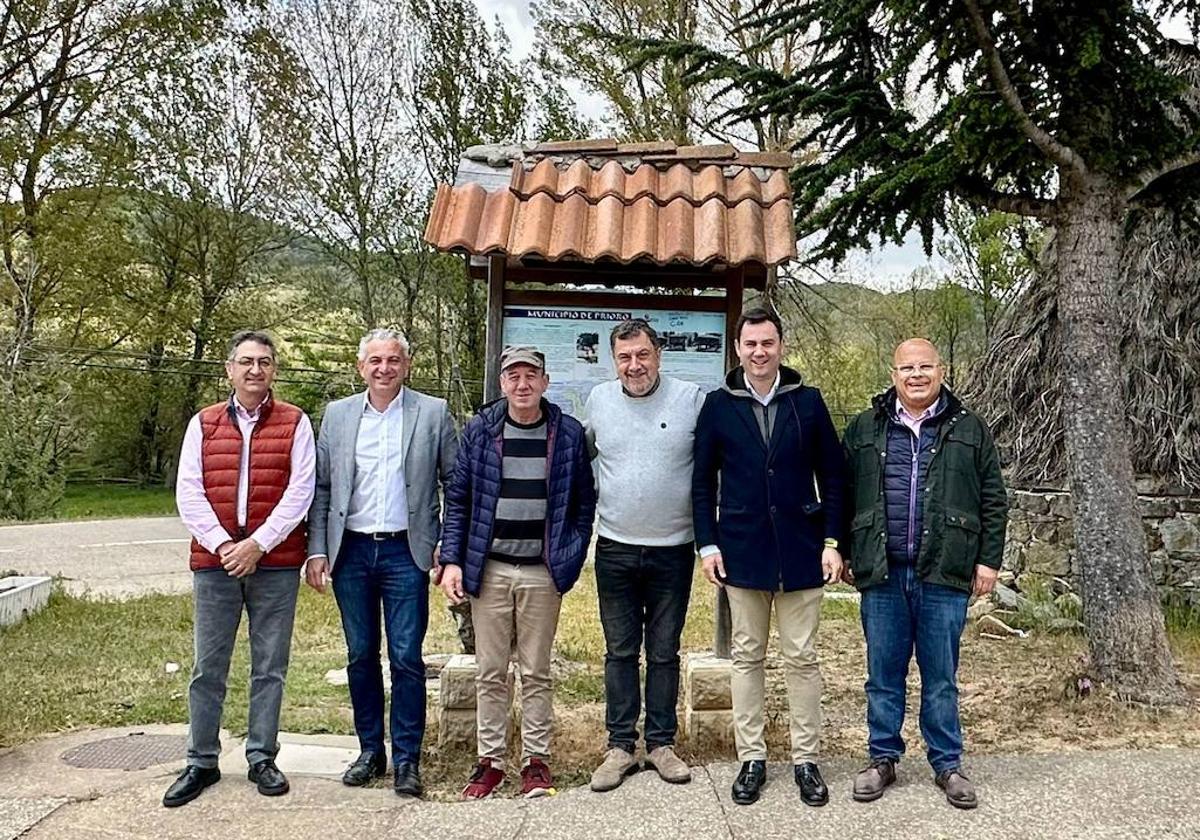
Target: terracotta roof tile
pixel 642 201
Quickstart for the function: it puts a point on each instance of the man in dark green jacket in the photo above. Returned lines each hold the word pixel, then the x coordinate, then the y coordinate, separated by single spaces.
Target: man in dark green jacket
pixel 928 515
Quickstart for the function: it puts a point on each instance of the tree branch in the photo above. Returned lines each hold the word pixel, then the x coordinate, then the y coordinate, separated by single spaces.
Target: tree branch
pixel 1060 154
pixel 1021 205
pixel 1148 177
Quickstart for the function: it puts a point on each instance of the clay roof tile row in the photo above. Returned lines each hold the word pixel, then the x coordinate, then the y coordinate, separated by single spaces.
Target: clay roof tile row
pixel 595 200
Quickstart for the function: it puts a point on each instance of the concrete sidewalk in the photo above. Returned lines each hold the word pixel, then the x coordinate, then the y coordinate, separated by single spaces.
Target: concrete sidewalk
pixel 1094 795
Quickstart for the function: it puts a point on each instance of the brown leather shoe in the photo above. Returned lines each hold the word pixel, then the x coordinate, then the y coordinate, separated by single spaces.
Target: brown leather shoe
pixel 871 780
pixel 959 791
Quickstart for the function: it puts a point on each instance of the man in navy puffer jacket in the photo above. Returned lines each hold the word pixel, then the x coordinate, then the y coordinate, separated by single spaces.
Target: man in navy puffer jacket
pixel 518 521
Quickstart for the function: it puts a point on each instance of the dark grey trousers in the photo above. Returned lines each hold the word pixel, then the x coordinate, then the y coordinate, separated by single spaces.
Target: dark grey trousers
pixel 269 599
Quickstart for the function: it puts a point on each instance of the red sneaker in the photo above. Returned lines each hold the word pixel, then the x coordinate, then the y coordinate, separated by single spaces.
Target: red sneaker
pixel 484 780
pixel 535 779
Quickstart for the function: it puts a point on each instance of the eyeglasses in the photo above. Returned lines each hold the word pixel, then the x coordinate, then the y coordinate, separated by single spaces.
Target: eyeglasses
pixel 247 362
pixel 907 371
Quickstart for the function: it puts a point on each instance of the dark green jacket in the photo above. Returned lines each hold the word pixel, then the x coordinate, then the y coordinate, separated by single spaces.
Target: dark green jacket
pixel 965 504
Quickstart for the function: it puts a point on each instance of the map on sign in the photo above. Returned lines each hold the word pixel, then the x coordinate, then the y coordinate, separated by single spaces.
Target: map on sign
pixel 575 341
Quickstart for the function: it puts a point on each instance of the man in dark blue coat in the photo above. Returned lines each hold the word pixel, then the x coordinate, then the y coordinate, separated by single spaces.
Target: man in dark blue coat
pixel 770 537
pixel 518 521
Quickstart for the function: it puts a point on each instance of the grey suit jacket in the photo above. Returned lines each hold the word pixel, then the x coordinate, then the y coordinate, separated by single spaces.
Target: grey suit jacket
pixel 430 445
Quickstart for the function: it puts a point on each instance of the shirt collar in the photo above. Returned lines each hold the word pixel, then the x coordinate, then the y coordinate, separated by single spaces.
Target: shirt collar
pixel 394 405
pixel 248 415
pixel 770 395
pixel 901 411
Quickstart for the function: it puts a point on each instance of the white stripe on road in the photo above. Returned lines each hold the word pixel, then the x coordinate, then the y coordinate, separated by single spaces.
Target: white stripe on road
pixel 133 542
pixel 7 550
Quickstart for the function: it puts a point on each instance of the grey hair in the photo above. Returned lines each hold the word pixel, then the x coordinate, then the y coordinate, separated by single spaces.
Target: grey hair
pixel 257 336
pixel 382 334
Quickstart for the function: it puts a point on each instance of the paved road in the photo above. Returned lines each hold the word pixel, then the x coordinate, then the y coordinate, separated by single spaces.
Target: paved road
pixel 113 558
pixel 1125 795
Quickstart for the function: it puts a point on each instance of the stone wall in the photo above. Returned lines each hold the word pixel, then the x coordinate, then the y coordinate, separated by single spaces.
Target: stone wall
pixel 1041 538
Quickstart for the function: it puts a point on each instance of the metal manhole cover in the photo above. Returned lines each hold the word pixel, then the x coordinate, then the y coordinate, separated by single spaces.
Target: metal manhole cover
pixel 132 752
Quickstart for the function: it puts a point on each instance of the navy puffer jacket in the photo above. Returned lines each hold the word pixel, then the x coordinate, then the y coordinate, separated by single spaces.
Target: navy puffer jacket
pixel 904 479
pixel 474 490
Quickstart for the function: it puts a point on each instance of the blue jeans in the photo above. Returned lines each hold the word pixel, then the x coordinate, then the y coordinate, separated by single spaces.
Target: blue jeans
pixel 644 592
pixel 369 574
pixel 899 615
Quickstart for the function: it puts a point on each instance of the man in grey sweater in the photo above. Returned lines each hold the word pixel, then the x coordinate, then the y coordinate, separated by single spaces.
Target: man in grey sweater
pixel 640 429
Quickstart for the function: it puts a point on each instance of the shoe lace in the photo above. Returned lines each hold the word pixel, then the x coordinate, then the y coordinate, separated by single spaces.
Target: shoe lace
pixel 480 769
pixel 536 771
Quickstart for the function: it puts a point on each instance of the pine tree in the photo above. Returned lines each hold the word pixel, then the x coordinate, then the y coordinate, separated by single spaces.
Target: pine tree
pixel 1075 113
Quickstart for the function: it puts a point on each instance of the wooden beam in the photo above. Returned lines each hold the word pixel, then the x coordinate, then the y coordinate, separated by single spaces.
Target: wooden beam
pixel 495 329
pixel 733 311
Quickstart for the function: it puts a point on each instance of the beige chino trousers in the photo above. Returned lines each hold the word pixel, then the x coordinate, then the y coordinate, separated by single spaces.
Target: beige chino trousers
pixel 797 614
pixel 521 599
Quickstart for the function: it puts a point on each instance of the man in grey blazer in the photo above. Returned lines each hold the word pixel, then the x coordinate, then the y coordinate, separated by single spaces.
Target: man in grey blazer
pixel 373 530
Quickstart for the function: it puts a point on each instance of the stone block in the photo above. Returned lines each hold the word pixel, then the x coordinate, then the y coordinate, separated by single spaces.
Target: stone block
pixel 1048 559
pixel 1156 507
pixel 1018 529
pixel 1065 534
pixel 456 729
pixel 1159 562
pixel 710 727
pixel 1045 531
pixel 1190 504
pixel 1179 535
pixel 707 683
pixel 1060 506
pixel 1013 554
pixel 1033 503
pixel 458 683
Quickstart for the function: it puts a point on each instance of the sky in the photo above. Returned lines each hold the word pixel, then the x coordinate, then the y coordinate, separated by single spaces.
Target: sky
pixel 882 267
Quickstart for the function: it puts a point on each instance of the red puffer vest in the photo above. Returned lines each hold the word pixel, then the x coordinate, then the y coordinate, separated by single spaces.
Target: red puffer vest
pixel 270 469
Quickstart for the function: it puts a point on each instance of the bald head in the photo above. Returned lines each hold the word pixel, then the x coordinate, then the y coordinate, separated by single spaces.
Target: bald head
pixel 922 347
pixel 917 374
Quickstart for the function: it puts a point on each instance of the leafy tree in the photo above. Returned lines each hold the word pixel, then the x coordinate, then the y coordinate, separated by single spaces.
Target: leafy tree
pixel 991 253
pixel 1076 113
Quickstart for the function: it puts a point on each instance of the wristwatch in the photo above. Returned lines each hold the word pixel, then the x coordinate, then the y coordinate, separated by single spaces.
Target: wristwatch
pixel 830 542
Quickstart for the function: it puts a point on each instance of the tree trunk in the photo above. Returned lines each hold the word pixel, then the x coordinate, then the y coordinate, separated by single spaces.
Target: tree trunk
pixel 1121 608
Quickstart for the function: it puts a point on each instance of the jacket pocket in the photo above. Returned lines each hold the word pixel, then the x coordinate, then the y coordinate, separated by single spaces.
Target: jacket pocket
pixel 865 536
pixel 960 544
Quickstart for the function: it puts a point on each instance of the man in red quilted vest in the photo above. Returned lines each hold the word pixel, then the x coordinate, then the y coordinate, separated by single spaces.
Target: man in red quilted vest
pixel 246 478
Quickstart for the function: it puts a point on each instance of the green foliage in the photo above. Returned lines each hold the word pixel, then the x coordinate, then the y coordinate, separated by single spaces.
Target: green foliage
pixel 103 501
pixel 35 422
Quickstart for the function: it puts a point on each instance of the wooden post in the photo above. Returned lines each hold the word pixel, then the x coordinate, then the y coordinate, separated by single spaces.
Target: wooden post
pixel 723 632
pixel 495 329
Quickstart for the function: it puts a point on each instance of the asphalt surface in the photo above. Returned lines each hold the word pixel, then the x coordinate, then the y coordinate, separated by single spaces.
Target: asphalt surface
pixel 1088 795
pixel 108 558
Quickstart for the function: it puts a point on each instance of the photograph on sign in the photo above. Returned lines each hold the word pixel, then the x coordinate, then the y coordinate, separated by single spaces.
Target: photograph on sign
pixel 575 340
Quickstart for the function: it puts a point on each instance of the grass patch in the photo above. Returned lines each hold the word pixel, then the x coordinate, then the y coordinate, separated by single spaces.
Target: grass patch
pixel 85 663
pixel 111 501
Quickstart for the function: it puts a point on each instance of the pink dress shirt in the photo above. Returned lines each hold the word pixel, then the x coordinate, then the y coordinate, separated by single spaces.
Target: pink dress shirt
pixel 196 512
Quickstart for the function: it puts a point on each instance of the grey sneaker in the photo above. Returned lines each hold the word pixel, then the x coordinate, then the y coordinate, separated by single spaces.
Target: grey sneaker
pixel 671 768
pixel 612 771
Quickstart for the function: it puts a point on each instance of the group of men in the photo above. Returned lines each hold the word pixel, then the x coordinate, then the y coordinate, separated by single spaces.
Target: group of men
pixel 909 506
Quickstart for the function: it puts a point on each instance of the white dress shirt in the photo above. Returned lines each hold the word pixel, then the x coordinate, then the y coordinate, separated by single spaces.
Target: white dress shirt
pixel 378 501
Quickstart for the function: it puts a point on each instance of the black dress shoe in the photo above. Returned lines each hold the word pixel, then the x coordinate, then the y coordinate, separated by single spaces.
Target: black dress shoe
pixel 408 779
pixel 812 786
pixel 749 782
pixel 368 766
pixel 190 784
pixel 270 781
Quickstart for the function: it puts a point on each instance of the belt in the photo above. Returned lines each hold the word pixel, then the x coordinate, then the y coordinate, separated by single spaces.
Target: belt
pixel 382 536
